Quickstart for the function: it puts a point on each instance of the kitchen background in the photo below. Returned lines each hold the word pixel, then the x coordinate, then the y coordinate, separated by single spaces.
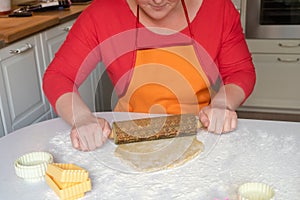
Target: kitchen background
pixel 275 50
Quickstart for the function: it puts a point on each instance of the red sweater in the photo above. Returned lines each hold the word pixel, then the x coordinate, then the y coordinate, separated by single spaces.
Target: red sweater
pixel 105 32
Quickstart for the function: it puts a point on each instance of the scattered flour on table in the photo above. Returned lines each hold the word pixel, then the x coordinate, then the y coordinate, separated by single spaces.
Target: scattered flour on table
pixel 238 157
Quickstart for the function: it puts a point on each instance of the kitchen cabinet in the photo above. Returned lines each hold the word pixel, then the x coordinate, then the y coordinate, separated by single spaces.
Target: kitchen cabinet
pixel 277 64
pixel 53 38
pixel 237 4
pixel 21 68
pixel 106 98
pixel 2 133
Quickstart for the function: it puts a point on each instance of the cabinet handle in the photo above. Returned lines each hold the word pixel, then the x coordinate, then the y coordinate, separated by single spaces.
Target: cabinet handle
pixel 288 60
pixel 289 45
pixel 67 29
pixel 26 47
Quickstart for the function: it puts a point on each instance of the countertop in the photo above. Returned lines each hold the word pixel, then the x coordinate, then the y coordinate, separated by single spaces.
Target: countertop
pixel 257 151
pixel 15 28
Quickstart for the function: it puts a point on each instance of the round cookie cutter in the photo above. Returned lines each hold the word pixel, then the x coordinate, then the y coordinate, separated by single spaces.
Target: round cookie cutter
pixel 255 191
pixel 33 166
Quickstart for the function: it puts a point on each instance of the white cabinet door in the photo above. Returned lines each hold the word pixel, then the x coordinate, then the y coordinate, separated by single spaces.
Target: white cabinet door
pixel 2 133
pixel 21 66
pixel 278 82
pixel 237 3
pixel 52 39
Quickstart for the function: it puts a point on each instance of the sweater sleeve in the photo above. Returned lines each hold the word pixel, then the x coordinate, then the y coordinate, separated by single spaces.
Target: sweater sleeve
pixel 69 68
pixel 234 58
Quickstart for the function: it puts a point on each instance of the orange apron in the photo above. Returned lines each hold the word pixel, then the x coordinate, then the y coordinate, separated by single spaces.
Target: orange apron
pixel 166 80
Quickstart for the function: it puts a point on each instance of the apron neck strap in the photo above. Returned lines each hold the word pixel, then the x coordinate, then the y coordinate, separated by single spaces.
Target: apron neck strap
pixel 187 17
pixel 137 16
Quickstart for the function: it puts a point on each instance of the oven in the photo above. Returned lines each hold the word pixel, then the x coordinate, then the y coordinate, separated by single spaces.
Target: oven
pixel 278 19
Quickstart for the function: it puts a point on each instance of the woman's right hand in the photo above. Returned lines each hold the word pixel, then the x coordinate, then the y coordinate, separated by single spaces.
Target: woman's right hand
pixel 89 133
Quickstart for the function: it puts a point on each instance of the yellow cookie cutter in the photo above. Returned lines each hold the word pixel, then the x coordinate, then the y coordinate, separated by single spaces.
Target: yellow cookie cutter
pixel 68 181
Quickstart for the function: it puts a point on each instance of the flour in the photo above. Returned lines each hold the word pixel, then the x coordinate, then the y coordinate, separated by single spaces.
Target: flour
pixel 239 157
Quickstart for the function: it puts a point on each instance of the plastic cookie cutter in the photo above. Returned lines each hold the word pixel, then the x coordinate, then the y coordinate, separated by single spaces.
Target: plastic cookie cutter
pixel 33 166
pixel 255 191
pixel 68 181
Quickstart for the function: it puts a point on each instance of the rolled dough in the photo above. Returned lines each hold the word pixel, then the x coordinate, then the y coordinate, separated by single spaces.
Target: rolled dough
pixel 159 154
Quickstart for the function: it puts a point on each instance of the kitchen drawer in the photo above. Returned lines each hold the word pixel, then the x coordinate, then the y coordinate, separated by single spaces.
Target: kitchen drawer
pixel 274 46
pixel 277 85
pixel 22 99
pixel 23 45
pixel 53 38
pixel 58 30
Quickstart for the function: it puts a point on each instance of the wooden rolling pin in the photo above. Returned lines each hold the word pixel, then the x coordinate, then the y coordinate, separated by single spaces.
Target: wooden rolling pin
pixel 155 128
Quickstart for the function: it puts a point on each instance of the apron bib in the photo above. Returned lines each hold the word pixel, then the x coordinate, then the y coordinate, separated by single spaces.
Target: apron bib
pixel 167 80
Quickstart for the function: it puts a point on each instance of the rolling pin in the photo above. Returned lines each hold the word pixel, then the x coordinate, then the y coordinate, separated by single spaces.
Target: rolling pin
pixel 155 128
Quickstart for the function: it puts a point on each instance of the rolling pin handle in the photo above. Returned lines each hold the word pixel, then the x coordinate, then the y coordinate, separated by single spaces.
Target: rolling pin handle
pixel 199 124
pixel 111 135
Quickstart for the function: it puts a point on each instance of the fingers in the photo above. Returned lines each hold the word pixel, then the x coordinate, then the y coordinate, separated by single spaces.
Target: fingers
pixel 218 120
pixel 85 142
pixel 74 139
pixel 97 140
pixel 216 124
pixel 78 142
pixel 106 130
pixel 230 122
pixel 88 136
pixel 203 117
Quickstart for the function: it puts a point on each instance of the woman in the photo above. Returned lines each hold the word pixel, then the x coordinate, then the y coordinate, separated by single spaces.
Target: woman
pixel 163 56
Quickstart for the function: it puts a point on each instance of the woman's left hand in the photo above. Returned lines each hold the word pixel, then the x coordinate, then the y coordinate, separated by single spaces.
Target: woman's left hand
pixel 218 120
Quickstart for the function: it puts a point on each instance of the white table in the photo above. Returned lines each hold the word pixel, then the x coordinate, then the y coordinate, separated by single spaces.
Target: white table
pixel 260 151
